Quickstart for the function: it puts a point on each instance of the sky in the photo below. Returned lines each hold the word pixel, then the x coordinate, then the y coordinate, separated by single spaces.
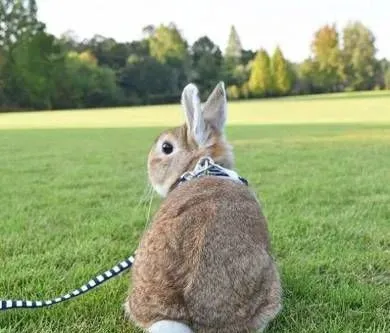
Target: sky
pixel 259 23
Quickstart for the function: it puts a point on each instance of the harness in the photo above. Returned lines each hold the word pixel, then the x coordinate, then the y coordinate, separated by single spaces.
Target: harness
pixel 207 167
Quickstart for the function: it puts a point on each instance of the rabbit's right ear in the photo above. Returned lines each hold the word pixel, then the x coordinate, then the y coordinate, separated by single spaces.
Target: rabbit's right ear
pixel 191 104
pixel 215 108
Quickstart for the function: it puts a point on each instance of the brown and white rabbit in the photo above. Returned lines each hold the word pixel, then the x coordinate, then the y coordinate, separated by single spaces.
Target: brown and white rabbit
pixel 204 264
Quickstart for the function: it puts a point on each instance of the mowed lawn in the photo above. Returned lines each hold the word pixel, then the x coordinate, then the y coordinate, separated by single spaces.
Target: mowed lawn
pixel 74 201
pixel 334 108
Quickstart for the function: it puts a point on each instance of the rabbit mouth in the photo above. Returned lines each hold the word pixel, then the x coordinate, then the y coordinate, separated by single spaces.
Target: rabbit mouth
pixel 161 189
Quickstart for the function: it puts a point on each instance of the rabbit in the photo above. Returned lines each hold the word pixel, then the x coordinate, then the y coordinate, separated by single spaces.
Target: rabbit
pixel 204 264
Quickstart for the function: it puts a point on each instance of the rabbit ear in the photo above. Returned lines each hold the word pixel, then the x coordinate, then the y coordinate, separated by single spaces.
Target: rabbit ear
pixel 191 104
pixel 215 108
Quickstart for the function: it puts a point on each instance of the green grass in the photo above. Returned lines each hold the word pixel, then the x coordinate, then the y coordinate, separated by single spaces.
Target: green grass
pixel 68 210
pixel 367 107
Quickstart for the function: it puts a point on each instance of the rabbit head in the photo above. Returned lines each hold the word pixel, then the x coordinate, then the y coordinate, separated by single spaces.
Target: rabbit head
pixel 177 150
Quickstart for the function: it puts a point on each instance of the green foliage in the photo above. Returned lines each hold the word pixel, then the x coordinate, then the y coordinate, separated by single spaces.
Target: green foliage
pixel 35 69
pixel 138 49
pixel 234 66
pixel 245 93
pixel 108 52
pixel 327 55
pixel 86 57
pixel 234 47
pixel 228 71
pixel 233 92
pixel 387 79
pixel 84 84
pixel 359 56
pixel 282 81
pixel 39 71
pixel 306 77
pixel 148 81
pixel 23 84
pixel 247 56
pixel 241 74
pixel 18 18
pixel 167 45
pixel 206 64
pixel 260 81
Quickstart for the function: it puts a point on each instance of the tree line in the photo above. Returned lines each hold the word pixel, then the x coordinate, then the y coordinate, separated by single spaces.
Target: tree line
pixel 40 71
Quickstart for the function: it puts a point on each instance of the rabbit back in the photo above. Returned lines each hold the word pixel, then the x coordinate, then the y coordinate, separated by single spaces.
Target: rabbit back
pixel 205 260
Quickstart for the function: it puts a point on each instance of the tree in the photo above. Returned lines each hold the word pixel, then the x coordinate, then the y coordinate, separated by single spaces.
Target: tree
pixel 84 84
pixel 147 81
pixel 281 74
pixel 234 47
pixel 304 73
pixel 232 58
pixel 387 79
pixel 167 45
pixel 30 56
pixel 88 57
pixel 381 67
pixel 247 56
pixel 36 68
pixel 69 41
pixel 327 55
pixel 233 92
pixel 2 78
pixel 241 74
pixel 17 18
pixel 108 52
pixel 138 49
pixel 359 56
pixel 148 31
pixel 206 64
pixel 244 91
pixel 38 71
pixel 260 80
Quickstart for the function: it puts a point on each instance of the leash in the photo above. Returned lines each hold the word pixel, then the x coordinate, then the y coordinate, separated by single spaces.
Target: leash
pixel 91 284
pixel 205 167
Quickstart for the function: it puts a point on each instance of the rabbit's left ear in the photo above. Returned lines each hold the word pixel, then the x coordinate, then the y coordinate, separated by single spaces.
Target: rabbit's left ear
pixel 215 108
pixel 191 104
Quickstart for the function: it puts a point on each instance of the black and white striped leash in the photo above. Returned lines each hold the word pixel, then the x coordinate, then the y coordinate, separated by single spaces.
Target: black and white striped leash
pixel 91 284
pixel 205 167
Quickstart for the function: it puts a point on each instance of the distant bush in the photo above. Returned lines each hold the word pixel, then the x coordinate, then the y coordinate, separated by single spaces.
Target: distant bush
pixel 233 92
pixel 387 79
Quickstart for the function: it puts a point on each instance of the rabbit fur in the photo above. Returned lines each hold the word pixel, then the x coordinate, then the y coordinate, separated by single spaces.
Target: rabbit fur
pixel 204 264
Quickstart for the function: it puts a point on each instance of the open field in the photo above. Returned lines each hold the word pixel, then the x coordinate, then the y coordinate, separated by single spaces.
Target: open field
pixel 72 203
pixel 372 107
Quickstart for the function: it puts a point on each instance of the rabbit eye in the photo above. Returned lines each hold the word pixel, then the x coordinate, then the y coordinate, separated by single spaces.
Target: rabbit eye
pixel 167 148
